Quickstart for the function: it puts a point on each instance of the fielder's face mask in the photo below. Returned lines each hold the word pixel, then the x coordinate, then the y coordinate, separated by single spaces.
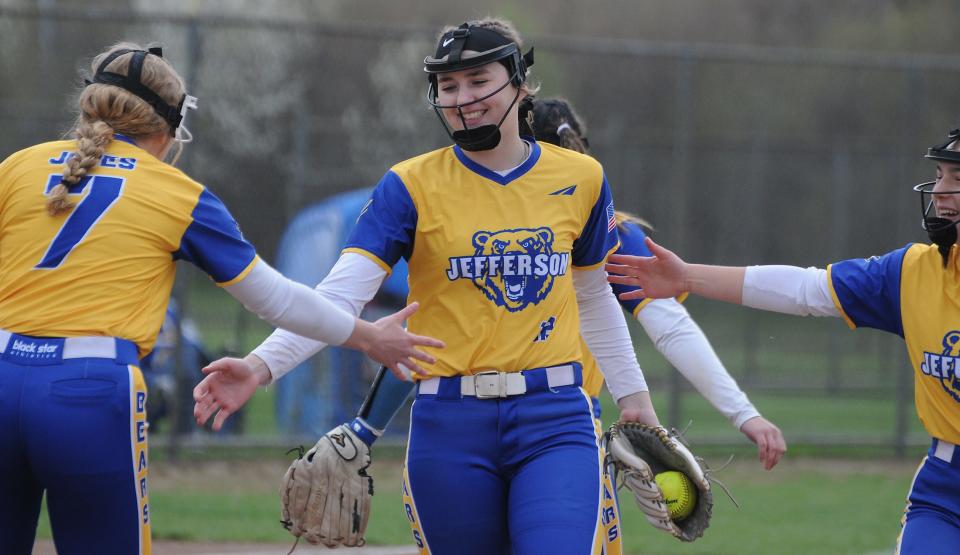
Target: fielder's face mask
pixel 942 231
pixel 131 82
pixel 490 47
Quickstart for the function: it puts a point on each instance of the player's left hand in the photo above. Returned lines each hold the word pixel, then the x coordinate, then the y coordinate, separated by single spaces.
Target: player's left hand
pixel 639 453
pixel 325 494
pixel 637 407
pixel 769 440
pixel 229 384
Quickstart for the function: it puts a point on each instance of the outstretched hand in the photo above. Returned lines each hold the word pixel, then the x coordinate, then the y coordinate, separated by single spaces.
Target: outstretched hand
pixel 228 385
pixel 390 344
pixel 660 276
pixel 769 440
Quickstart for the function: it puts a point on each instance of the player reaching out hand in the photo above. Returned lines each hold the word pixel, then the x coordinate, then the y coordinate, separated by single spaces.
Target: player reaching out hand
pixel 90 235
pixel 911 292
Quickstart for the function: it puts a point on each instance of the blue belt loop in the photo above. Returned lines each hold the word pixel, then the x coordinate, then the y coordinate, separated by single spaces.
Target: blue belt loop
pixel 449 388
pixel 536 379
pixel 127 352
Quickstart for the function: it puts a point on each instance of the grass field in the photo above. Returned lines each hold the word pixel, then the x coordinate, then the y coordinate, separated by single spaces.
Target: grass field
pixel 804 506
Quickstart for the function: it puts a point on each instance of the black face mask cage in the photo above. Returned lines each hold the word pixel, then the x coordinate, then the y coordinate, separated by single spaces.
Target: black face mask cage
pixel 491 47
pixel 173 115
pixel 941 231
pixel 484 137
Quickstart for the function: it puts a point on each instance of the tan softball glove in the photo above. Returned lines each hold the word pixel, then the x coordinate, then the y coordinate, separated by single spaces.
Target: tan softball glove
pixel 325 494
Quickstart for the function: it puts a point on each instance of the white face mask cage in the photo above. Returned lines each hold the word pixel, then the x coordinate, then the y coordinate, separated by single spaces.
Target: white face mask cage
pixel 183 134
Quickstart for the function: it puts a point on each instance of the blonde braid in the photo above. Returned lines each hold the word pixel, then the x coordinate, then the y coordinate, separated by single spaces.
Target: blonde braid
pixel 92 141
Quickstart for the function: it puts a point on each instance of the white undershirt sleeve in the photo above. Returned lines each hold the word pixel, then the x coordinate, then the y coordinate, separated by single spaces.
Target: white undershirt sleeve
pixel 675 334
pixel 351 284
pixel 283 302
pixel 789 289
pixel 604 329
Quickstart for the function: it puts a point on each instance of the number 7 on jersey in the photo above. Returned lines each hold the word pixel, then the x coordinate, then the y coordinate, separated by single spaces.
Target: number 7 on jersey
pixel 104 192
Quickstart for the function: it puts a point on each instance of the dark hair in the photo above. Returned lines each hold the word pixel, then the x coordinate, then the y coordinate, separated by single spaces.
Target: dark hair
pixel 555 122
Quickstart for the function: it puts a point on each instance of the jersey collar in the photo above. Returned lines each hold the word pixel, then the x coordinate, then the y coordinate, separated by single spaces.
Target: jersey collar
pixel 518 172
pixel 124 138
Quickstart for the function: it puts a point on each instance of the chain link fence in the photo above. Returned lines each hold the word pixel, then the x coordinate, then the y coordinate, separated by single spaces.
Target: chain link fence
pixel 736 155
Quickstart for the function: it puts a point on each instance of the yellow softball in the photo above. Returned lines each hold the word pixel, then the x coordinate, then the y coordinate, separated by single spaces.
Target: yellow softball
pixel 679 493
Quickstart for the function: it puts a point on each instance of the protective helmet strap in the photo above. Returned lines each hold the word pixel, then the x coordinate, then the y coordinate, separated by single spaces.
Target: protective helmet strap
pixel 131 82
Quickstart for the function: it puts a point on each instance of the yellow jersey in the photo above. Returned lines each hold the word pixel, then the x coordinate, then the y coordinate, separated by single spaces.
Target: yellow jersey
pixel 909 292
pixel 489 255
pixel 106 267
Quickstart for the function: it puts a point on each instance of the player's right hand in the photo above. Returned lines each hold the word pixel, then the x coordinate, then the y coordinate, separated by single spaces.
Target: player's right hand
pixel 229 384
pixel 389 343
pixel 769 439
pixel 661 276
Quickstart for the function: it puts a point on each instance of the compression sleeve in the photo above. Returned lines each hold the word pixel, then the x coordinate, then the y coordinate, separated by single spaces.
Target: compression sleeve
pixel 294 306
pixel 604 329
pixel 350 285
pixel 675 334
pixel 789 289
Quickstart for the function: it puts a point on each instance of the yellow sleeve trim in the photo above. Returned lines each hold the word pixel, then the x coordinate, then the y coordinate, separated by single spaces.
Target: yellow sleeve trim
pixel 367 254
pixel 242 274
pixel 603 260
pixel 645 302
pixel 836 299
pixel 639 307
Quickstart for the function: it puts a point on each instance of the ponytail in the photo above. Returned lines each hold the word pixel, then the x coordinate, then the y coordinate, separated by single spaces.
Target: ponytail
pixel 92 141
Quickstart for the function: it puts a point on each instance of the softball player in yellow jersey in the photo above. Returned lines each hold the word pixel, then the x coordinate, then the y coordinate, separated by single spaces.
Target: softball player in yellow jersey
pixel 910 292
pixel 90 230
pixel 505 240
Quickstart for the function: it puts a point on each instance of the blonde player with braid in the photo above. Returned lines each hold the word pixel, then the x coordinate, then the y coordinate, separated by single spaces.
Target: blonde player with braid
pixel 90 230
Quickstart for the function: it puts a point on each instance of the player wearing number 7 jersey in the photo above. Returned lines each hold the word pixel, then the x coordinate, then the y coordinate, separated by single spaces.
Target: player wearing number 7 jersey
pixel 90 231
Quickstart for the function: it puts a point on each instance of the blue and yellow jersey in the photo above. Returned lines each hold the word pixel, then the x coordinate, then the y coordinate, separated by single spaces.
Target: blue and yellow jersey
pixel 908 292
pixel 490 256
pixel 106 266
pixel 631 242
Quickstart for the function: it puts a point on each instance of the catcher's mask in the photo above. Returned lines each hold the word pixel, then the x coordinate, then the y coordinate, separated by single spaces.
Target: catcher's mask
pixel 942 231
pixel 174 116
pixel 490 46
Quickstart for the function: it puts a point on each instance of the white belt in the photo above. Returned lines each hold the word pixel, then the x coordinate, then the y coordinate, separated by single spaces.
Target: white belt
pixel 944 450
pixel 495 385
pixel 76 347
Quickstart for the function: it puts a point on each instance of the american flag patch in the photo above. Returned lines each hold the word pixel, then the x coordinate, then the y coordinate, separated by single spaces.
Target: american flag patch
pixel 611 217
